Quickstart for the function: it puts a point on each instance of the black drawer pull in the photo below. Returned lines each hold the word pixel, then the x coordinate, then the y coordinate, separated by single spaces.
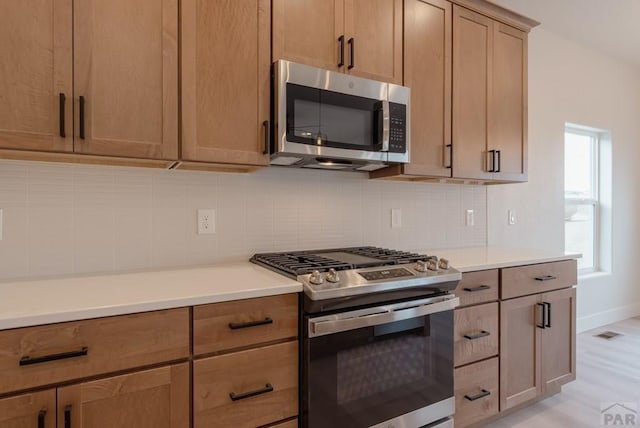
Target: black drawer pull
pixel 243 395
pixel 483 333
pixel 41 415
pixel 546 278
pixel 484 393
pixel 479 288
pixel 265 125
pixel 548 306
pixel 81 114
pixel 352 53
pixel 543 325
pixel 67 416
pixel 237 325
pixel 27 360
pixel 450 147
pixel 341 51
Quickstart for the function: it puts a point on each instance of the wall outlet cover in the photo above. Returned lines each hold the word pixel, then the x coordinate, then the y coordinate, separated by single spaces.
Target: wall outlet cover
pixel 396 218
pixel 511 217
pixel 469 218
pixel 206 221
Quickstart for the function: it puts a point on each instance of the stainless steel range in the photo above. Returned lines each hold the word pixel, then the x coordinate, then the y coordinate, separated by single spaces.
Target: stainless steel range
pixel 377 336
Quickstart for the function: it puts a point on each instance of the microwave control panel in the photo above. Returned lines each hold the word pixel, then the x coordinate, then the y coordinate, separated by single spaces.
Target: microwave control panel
pixel 397 128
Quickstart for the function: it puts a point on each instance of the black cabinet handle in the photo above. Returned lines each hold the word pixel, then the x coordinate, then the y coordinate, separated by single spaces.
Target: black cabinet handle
pixel 499 160
pixel 352 54
pixel 493 161
pixel 548 306
pixel 545 278
pixel 478 288
pixel 243 395
pixel 67 416
pixel 265 125
pixel 27 360
pixel 341 51
pixel 484 393
pixel 81 102
pixel 543 325
pixel 41 415
pixel 238 325
pixel 63 99
pixel 450 147
pixel 483 333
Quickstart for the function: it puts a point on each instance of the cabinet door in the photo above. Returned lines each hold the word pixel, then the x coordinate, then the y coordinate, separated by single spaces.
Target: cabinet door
pixel 519 351
pixel 35 47
pixel 307 32
pixel 508 102
pixel 472 52
pixel 558 348
pixel 225 80
pixel 427 71
pixel 126 70
pixel 157 398
pixel 374 28
pixel 36 410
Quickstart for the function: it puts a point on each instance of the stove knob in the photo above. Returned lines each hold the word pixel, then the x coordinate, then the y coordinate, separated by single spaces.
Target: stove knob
pixel 421 266
pixel 443 264
pixel 316 278
pixel 432 264
pixel 332 276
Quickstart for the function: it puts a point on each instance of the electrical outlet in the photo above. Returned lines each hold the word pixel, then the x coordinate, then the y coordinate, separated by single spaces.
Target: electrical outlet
pixel 469 218
pixel 396 218
pixel 511 217
pixel 206 221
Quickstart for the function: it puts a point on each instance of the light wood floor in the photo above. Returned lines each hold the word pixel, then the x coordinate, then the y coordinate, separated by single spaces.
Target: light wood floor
pixel 607 371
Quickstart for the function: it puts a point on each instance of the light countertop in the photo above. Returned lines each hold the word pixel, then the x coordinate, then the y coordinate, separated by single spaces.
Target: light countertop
pixel 42 301
pixel 481 258
pixel 32 302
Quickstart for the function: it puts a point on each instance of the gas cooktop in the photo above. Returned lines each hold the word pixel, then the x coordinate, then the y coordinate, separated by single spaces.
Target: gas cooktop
pixel 342 272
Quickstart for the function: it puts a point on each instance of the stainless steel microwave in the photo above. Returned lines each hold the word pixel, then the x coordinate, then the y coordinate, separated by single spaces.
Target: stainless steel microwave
pixel 331 120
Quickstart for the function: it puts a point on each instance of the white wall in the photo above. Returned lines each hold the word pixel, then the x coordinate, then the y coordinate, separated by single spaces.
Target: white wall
pixel 65 219
pixel 571 83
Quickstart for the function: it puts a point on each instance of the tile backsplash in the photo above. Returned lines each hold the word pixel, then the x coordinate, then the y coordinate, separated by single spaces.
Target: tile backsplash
pixel 65 219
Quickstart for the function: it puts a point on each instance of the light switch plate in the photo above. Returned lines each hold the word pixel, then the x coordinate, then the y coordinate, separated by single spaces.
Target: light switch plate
pixel 511 217
pixel 396 218
pixel 469 218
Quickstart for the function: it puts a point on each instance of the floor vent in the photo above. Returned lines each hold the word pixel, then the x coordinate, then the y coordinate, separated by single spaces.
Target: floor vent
pixel 608 335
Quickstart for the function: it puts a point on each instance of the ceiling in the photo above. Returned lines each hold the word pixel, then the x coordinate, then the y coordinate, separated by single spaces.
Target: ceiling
pixel 610 26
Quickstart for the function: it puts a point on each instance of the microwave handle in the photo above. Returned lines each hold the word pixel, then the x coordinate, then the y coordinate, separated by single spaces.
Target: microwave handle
pixel 386 125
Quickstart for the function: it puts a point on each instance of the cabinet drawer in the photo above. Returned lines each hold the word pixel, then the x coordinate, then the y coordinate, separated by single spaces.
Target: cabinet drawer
pixel 532 279
pixel 475 333
pixel 478 287
pixel 288 424
pixel 54 353
pixel 239 324
pixel 476 391
pixel 23 411
pixel 248 388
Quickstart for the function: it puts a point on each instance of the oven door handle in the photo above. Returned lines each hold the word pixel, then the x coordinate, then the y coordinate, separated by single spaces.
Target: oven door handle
pixel 382 315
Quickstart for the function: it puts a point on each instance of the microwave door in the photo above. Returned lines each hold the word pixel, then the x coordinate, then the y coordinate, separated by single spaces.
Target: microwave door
pixel 319 117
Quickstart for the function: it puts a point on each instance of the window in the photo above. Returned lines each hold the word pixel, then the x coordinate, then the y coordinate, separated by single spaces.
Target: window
pixel 581 196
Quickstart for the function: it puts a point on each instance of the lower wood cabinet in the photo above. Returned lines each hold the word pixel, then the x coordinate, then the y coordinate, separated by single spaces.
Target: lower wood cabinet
pixel 537 345
pixel 36 410
pixel 476 391
pixel 157 398
pixel 248 388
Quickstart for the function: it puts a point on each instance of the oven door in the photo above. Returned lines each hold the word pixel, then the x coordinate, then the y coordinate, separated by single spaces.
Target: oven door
pixel 389 364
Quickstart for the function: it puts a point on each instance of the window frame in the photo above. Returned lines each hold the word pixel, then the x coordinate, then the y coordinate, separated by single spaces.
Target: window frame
pixel 594 200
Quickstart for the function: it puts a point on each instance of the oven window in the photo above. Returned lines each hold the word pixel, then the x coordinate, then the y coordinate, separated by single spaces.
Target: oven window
pixel 362 377
pixel 320 117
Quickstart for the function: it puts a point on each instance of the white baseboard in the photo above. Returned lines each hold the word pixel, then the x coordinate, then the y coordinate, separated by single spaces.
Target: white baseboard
pixel 607 317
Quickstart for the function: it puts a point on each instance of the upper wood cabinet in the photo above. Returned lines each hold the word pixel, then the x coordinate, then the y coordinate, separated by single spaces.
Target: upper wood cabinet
pixel 359 37
pixel 427 70
pixel 119 96
pixel 489 98
pixel 126 78
pixel 36 75
pixel 225 81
